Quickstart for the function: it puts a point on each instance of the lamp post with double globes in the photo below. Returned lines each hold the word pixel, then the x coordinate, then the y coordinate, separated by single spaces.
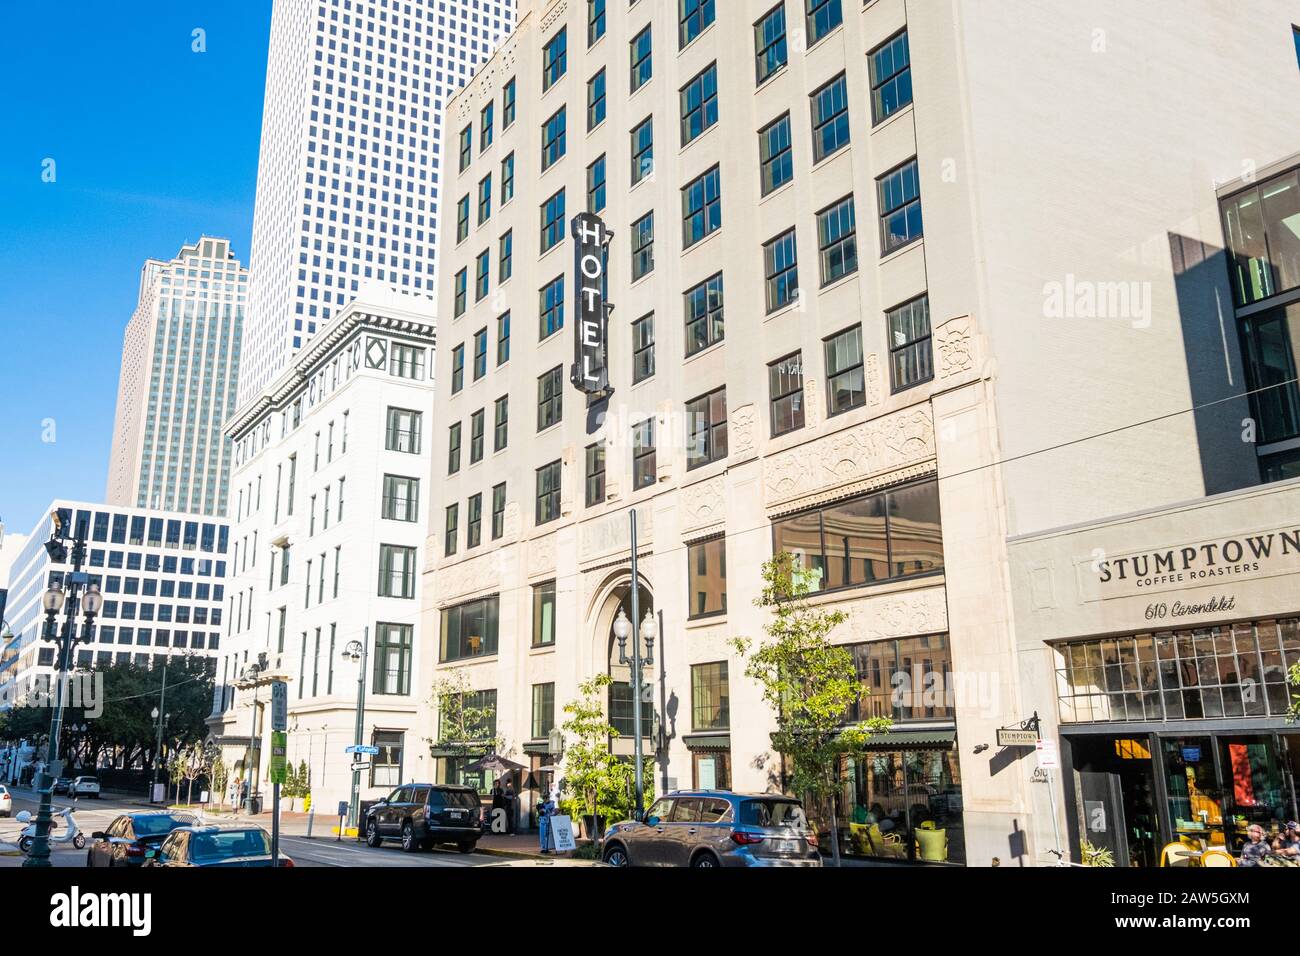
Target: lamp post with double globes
pixel 647 632
pixel 356 652
pixel 71 601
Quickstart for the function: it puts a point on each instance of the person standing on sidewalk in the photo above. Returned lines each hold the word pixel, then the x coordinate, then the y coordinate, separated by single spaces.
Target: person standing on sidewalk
pixel 512 807
pixel 544 822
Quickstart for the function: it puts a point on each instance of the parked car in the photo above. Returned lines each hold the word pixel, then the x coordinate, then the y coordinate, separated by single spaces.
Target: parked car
pixel 709 828
pixel 229 846
pixel 133 838
pixel 84 787
pixel 423 814
pixel 61 785
pixel 6 802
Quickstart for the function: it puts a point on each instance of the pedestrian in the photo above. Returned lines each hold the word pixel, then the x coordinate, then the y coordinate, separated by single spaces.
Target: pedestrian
pixel 544 815
pixel 512 804
pixel 498 808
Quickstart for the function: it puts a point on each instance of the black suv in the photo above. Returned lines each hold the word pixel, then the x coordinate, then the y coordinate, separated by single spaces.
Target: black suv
pixel 422 814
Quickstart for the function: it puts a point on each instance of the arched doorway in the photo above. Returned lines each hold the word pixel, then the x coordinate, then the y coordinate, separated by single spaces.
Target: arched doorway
pixel 621 695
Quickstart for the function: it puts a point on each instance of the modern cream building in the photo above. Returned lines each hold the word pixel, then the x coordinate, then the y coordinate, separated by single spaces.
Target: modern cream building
pixel 896 287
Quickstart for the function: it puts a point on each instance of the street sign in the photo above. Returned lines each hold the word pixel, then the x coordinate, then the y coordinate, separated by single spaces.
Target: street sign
pixel 1017 738
pixel 279 705
pixel 343 809
pixel 279 761
pixel 361 749
pixel 1048 759
pixel 590 370
pixel 360 765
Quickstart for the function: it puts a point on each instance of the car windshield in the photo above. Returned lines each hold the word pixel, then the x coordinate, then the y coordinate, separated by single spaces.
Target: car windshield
pixel 464 799
pixel 773 813
pixel 209 847
pixel 162 823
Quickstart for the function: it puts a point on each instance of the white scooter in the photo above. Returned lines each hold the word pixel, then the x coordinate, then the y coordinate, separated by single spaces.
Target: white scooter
pixel 71 832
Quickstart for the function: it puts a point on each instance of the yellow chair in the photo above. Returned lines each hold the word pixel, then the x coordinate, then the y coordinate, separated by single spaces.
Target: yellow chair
pixel 932 845
pixel 1176 854
pixel 1217 857
pixel 886 844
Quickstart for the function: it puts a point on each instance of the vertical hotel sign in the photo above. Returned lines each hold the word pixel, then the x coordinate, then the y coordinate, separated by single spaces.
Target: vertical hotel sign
pixel 590 371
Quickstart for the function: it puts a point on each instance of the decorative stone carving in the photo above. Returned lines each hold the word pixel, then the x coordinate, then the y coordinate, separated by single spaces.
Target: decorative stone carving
pixel 704 504
pixel 552 15
pixel 541 555
pixel 812 408
pixel 513 520
pixel 903 614
pixel 482 573
pixel 871 378
pixel 612 533
pixel 956 347
pixel 742 429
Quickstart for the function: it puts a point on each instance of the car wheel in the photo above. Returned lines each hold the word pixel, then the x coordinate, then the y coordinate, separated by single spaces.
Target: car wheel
pixel 466 846
pixel 408 838
pixel 372 834
pixel 705 860
pixel 79 842
pixel 616 855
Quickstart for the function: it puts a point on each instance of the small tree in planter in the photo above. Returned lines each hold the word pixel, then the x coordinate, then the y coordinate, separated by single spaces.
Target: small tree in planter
pixel 809 683
pixel 218 777
pixel 599 785
pixel 302 782
pixel 465 729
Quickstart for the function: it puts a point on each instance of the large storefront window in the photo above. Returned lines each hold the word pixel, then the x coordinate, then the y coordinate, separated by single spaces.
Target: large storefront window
pixel 470 629
pixel 1262 226
pixel 904 680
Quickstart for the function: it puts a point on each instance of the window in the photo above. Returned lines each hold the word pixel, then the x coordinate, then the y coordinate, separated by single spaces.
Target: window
pixel 785 391
pixel 899 197
pixel 480 354
pixel 699 102
pixel 498 510
pixel 481 280
pixel 466 147
pixel 451 530
pixel 823 17
pixel 910 359
pixel 397 571
pixel 877 537
pixel 506 256
pixel 554 143
pixel 555 59
pixel 543 710
pixel 386 770
pixel 501 423
pixel 837 241
pixel 643 150
pixel 1263 239
pixel 401 498
pixel 595 20
pixel 595 487
pixel 453 449
pixel 891 77
pixel 643 246
pixel 845 387
pixel 694 17
pixel 462 218
pixel 710 697
pixel 701 207
pixel 474 527
pixel 470 629
pixel 770 49
pixel 407 361
pixel 622 710
pixel 503 338
pixel 457 369
pixel 548 493
pixel 544 614
pixel 1267 352
pixel 707 574
pixel 776 161
pixel 643 348
pixel 552 221
pixel 595 101
pixel 552 308
pixel 462 293
pixel 508 97
pixel 393 647
pixel 485 199
pixel 485 131
pixel 781 267
pixel 507 179
pixel 706 428
pixel 550 397
pixel 642 66
pixel 596 185
pixel 830 118
pixel 643 455
pixel 476 424
pixel 704 324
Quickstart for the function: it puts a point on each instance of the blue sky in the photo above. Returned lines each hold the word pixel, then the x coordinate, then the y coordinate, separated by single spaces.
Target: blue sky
pixel 153 145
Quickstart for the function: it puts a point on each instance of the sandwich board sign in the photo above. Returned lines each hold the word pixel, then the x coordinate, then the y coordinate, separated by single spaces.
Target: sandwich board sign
pixel 562 833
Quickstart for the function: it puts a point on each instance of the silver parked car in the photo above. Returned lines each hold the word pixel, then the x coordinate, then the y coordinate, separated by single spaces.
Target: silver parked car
pixel 715 828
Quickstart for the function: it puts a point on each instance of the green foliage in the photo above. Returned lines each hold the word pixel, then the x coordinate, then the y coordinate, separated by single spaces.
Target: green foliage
pixel 463 729
pixel 1096 856
pixel 1293 678
pixel 596 781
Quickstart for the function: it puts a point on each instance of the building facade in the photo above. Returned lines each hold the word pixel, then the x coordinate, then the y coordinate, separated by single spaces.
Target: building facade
pixel 890 294
pixel 180 370
pixel 349 168
pixel 331 477
pixel 162 576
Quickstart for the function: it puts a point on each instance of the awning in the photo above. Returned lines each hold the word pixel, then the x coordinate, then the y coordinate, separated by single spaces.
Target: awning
pixel 707 741
pixel 912 740
pixel 537 747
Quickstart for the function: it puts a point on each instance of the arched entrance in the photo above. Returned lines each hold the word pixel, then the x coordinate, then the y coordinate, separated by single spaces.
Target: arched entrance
pixel 621 694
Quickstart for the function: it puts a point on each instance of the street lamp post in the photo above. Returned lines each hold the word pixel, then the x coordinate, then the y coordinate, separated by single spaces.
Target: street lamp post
pixel 356 652
pixel 71 601
pixel 250 678
pixel 157 754
pixel 647 632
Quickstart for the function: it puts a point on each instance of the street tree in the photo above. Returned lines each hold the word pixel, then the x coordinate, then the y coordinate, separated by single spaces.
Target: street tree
pixel 597 783
pixel 466 727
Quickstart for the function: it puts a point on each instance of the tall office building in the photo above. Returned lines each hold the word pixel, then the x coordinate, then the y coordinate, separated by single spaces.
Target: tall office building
pixel 348 175
pixel 180 363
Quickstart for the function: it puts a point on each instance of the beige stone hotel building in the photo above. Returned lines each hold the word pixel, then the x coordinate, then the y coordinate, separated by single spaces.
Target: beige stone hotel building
pixel 958 301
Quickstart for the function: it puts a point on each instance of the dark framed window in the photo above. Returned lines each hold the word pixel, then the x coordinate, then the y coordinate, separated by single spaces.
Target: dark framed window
pixel 845 385
pixel 596 101
pixel 694 17
pixel 476 425
pixel 461 293
pixel 643 246
pixel 544 614
pixel 643 348
pixel 394 644
pixel 911 360
pixel 498 510
pixel 548 493
pixel 837 241
pixel 596 185
pixel 503 338
pixel 621 709
pixel 403 430
pixel 551 311
pixel 1263 244
pixel 699 103
pixel 482 281
pixel 710 697
pixel 595 484
pixel 550 397
pixel 899 198
pixel 642 60
pixel 643 150
pixel 508 102
pixel 507 179
pixel 707 577
pixel 457 369
pixel 785 393
pixel 891 77
pixel 485 129
pixel 506 256
pixel 644 469
pixel 781 271
pixel 397 570
pixel 823 16
pixel 554 138
pixel 776 160
pixel 451 530
pixel 543 711
pixel 462 218
pixel 401 498
pixel 555 58
pixel 877 537
pixel 706 428
pixel 704 317
pixel 485 199
pixel 470 629
pixel 474 523
pixel 501 423
pixel 771 51
pixel 595 20
pixel 453 449
pixel 466 147
pixel 830 118
pixel 701 207
pixel 552 221
pixel 901 679
pixel 1268 350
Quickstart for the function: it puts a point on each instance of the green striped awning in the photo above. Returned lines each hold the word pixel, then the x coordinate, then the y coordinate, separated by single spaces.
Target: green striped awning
pixel 912 740
pixel 707 741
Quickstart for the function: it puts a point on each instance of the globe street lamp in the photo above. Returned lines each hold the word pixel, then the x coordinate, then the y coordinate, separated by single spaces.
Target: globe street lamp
pixel 647 632
pixel 356 652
